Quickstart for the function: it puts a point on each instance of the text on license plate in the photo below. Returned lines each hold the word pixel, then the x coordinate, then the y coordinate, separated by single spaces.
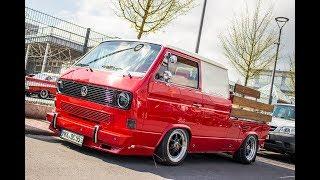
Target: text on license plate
pixel 72 137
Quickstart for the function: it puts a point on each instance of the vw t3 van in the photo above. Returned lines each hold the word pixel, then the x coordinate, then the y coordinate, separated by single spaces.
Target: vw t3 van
pixel 141 98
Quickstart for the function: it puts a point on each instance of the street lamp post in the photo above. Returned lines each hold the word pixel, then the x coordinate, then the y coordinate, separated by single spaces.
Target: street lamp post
pixel 281 21
pixel 201 23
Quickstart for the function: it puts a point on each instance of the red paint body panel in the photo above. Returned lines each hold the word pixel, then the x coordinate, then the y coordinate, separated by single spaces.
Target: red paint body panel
pixel 157 108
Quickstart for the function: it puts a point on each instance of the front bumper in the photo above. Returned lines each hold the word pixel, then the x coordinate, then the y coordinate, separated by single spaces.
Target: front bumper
pixel 117 142
pixel 280 143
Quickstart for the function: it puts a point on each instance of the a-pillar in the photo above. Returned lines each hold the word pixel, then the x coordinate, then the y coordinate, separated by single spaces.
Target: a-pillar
pixel 45 58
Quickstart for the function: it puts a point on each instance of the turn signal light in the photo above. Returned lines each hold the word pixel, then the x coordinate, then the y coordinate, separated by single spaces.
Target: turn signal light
pixel 131 124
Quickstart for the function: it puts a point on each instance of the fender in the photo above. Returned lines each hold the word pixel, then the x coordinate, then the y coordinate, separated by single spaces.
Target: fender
pixel 246 134
pixel 172 126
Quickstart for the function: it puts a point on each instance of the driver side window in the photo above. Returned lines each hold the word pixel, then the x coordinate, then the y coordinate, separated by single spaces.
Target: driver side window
pixel 163 68
pixel 185 72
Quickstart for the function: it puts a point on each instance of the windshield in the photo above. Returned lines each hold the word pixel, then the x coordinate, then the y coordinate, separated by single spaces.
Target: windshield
pixel 126 56
pixel 41 76
pixel 284 112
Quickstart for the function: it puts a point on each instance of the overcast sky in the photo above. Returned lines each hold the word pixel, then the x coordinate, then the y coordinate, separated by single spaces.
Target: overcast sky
pixel 182 32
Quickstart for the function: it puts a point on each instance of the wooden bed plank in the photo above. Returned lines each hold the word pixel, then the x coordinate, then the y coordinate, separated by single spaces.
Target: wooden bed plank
pixel 246 91
pixel 240 113
pixel 252 104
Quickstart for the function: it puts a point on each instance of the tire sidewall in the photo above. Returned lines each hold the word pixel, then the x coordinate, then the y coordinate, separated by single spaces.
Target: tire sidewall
pixel 162 149
pixel 241 154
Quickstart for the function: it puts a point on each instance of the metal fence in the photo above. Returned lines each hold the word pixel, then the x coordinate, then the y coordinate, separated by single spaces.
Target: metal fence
pixel 38 20
pixel 52 44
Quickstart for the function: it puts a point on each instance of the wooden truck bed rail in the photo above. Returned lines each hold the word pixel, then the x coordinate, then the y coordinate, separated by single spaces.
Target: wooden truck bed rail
pixel 249 108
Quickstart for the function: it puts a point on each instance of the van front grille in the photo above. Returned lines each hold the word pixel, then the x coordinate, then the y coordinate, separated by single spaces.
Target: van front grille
pixel 85 113
pixel 94 93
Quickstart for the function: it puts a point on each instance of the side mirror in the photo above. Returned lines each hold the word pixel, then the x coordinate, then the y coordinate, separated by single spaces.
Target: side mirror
pixel 171 58
pixel 167 55
pixel 167 76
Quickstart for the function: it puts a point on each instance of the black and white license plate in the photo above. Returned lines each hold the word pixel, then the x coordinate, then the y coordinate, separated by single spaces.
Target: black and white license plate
pixel 72 137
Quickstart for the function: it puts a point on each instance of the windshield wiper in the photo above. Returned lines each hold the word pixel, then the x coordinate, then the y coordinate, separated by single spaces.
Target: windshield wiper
pixel 111 67
pixel 128 73
pixel 84 65
pixel 135 48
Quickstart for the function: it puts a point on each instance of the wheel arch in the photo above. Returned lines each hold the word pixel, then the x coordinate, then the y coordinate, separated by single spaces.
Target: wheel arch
pixel 174 126
pixel 245 137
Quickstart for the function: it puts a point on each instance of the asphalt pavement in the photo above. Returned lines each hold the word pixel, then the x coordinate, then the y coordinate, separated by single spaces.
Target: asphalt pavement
pixel 49 157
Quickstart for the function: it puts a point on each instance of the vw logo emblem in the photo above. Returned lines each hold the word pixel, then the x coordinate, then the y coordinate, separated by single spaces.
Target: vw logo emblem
pixel 84 91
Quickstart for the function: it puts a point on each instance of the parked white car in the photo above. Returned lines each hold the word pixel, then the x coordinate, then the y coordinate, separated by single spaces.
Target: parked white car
pixel 283 116
pixel 281 137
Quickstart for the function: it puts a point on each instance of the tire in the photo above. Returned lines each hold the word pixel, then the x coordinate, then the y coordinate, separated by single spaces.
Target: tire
pixel 247 152
pixel 173 148
pixel 43 94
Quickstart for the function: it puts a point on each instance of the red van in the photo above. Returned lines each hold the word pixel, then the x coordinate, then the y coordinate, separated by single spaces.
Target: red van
pixel 43 85
pixel 141 98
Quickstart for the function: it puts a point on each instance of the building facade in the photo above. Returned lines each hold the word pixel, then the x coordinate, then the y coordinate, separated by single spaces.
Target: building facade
pixel 282 80
pixel 51 42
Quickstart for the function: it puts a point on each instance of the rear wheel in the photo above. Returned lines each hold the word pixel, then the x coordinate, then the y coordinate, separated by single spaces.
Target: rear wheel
pixel 247 152
pixel 173 148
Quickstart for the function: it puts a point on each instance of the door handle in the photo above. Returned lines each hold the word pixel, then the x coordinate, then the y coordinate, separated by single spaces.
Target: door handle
pixel 197 105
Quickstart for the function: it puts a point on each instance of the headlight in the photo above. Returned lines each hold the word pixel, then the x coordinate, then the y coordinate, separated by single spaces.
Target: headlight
pixel 286 130
pixel 123 100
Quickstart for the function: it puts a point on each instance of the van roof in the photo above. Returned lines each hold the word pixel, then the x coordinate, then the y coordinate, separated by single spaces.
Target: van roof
pixel 210 61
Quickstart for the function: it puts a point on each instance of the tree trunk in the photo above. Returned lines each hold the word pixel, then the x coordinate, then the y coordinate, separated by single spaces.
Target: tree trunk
pixel 146 12
pixel 246 79
pixel 140 33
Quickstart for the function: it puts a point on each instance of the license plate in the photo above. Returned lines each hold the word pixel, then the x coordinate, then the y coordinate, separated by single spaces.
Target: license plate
pixel 72 137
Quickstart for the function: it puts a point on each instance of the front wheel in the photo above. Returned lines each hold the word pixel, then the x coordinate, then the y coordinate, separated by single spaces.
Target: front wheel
pixel 44 94
pixel 173 148
pixel 247 152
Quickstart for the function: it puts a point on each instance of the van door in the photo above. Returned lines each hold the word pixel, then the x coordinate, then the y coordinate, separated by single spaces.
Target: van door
pixel 178 101
pixel 216 107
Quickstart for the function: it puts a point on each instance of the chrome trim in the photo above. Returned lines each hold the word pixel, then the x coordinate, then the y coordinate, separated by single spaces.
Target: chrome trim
pixel 95 133
pixel 54 122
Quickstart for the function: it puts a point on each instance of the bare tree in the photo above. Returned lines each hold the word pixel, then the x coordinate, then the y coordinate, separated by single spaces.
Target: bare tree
pixel 249 42
pixel 150 15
